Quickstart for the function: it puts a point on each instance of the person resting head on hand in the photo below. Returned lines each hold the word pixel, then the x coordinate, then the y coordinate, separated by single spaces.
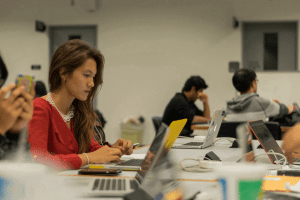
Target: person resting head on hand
pixel 61 129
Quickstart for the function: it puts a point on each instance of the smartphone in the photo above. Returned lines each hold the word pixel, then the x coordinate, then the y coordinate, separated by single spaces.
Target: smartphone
pixel 100 171
pixel 25 80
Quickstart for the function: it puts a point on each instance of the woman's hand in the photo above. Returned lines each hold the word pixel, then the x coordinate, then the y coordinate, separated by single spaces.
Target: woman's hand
pixel 124 145
pixel 27 110
pixel 105 154
pixel 10 108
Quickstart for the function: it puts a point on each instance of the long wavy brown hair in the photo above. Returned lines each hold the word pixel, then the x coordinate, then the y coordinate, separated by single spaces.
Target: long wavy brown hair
pixel 66 59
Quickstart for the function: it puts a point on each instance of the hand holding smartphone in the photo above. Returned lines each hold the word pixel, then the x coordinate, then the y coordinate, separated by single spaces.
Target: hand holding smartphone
pixel 26 81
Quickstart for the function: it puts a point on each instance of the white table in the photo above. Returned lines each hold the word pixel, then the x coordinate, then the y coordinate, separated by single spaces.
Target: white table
pixel 190 181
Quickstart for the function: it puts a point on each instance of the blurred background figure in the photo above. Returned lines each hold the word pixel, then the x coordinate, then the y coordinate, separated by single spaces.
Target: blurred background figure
pixel 16 111
pixel 40 89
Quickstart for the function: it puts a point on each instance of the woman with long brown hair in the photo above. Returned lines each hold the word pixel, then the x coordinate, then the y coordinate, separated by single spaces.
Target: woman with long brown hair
pixel 60 132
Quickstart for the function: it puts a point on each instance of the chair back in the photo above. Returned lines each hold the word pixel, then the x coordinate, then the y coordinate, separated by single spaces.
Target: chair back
pixel 156 122
pixel 40 89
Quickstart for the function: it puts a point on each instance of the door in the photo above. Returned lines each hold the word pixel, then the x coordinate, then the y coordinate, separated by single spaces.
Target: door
pixel 61 34
pixel 270 46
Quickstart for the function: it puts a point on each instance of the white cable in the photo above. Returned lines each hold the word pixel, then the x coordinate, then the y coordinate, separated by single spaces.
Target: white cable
pixel 225 138
pixel 277 161
pixel 197 168
pixel 194 168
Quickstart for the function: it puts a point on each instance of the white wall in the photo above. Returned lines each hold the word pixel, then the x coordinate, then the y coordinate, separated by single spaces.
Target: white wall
pixel 20 45
pixel 150 47
pixel 277 85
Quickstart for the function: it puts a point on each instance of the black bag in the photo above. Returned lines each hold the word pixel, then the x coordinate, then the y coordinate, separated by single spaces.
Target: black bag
pixel 289 120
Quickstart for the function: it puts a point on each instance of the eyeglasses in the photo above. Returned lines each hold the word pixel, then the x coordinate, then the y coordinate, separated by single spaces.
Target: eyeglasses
pixel 257 80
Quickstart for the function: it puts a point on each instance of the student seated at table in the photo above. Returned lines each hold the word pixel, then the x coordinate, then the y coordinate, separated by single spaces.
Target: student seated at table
pixel 61 129
pixel 249 105
pixel 15 113
pixel 182 105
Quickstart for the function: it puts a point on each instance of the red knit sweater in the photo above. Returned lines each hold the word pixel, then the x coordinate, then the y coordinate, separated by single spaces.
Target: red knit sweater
pixel 51 140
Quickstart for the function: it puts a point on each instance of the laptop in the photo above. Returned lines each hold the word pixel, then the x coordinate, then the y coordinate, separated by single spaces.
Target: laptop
pixel 211 136
pixel 119 186
pixel 135 164
pixel 267 141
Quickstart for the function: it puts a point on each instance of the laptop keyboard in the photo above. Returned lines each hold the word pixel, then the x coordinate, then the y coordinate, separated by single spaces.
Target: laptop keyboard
pixel 194 143
pixel 133 184
pixel 113 184
pixel 132 162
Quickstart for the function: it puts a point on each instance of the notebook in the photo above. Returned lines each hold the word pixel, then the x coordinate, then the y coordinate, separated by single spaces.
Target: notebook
pixel 266 140
pixel 212 133
pixel 120 186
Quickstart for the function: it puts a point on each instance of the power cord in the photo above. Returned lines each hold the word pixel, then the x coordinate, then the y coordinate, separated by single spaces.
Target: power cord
pixel 214 164
pixel 225 138
pixel 196 168
pixel 277 161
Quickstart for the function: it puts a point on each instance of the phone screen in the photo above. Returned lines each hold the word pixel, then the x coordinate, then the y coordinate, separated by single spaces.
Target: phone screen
pixel 100 171
pixel 25 80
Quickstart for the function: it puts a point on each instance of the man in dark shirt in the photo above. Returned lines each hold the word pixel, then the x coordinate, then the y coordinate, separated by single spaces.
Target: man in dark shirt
pixel 182 105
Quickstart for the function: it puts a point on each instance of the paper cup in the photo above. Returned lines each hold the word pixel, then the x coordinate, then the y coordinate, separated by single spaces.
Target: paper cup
pixel 241 181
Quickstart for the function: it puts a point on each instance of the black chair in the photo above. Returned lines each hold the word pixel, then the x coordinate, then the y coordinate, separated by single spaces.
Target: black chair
pixel 40 89
pixel 156 122
pixel 3 72
pixel 228 129
pixel 101 118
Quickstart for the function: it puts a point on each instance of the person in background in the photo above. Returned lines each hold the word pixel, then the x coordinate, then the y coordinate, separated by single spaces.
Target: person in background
pixel 40 89
pixel 16 111
pixel 61 129
pixel 249 105
pixel 182 105
pixel 291 143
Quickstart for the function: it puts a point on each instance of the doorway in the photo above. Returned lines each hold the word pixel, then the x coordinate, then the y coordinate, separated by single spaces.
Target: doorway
pixel 270 46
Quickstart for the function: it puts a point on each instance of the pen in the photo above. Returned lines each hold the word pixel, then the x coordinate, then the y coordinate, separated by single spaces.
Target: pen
pixel 110 167
pixel 135 144
pixel 99 167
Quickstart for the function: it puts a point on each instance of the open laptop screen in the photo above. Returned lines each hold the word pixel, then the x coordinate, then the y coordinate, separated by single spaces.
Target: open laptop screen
pixel 265 138
pixel 151 152
pixel 160 146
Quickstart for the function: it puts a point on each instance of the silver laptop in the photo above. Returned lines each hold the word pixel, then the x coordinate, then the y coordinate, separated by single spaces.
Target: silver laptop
pixel 121 186
pixel 135 164
pixel 212 133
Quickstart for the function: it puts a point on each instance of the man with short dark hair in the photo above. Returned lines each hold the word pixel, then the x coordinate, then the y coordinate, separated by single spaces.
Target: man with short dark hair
pixel 249 105
pixel 182 105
